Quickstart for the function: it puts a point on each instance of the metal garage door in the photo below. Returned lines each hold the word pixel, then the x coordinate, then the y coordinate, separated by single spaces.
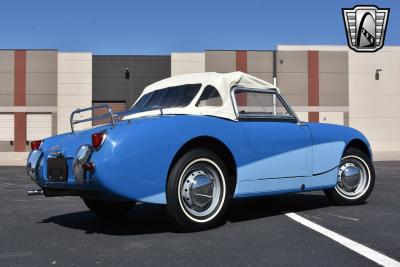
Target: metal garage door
pixel 7 127
pixel 116 107
pixel 38 126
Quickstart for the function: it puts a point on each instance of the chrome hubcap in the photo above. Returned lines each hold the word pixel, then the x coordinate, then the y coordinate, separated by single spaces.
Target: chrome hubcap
pixel 349 176
pixel 197 190
pixel 353 178
pixel 200 190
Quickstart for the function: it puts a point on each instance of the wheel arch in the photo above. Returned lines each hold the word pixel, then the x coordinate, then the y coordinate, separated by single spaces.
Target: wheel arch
pixel 215 145
pixel 359 144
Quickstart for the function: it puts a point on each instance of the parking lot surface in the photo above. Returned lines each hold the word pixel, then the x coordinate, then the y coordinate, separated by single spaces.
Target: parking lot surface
pixel 61 231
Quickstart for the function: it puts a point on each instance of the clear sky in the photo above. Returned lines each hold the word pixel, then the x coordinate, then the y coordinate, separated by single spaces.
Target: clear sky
pixel 162 27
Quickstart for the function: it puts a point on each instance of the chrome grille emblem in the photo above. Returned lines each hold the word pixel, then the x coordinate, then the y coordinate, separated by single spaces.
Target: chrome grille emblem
pixel 365 27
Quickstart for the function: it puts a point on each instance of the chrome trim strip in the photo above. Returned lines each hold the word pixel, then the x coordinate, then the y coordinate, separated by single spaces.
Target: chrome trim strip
pixel 77 111
pixel 275 91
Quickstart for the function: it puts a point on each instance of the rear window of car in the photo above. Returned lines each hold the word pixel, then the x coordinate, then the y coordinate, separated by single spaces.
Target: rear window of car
pixel 170 97
pixel 209 97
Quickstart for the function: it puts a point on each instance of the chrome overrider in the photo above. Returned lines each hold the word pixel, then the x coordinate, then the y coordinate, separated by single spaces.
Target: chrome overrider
pixel 81 163
pixel 32 169
pixel 32 166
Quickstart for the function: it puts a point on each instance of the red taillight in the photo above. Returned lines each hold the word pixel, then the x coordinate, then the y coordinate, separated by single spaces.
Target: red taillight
pixel 88 166
pixel 36 144
pixel 98 139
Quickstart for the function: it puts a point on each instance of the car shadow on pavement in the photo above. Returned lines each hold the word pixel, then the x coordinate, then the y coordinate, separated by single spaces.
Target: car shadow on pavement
pixel 256 208
pixel 142 219
pixel 151 218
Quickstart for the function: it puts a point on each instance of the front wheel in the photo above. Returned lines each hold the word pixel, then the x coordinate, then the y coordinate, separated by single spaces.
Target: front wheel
pixel 197 191
pixel 356 179
pixel 108 209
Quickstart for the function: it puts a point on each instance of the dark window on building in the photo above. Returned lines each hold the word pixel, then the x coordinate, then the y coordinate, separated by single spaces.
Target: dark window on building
pixel 171 97
pixel 209 97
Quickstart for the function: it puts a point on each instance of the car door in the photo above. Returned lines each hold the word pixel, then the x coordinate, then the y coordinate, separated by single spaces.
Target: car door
pixel 278 146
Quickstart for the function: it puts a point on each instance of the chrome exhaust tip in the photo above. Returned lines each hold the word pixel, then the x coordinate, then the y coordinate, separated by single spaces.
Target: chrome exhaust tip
pixel 35 192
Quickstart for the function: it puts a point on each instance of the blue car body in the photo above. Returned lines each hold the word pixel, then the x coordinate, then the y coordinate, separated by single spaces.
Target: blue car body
pixel 136 157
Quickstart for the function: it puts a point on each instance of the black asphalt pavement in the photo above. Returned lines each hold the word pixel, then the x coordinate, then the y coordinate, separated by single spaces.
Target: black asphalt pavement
pixel 39 231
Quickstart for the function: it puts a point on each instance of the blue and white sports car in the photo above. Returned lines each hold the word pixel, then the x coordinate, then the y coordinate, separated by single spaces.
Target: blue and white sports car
pixel 193 142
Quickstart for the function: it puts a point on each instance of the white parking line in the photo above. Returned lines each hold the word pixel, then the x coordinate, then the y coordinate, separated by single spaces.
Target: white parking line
pixel 371 254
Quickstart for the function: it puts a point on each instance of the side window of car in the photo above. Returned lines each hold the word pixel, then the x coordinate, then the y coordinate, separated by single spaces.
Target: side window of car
pixel 209 97
pixel 260 104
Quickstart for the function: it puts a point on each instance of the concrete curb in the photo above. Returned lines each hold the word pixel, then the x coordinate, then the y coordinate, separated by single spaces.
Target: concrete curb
pixel 386 155
pixel 13 158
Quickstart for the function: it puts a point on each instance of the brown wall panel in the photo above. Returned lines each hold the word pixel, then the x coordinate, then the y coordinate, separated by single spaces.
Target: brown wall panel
pixel 241 61
pixel 20 78
pixel 19 131
pixel 241 65
pixel 19 100
pixel 313 84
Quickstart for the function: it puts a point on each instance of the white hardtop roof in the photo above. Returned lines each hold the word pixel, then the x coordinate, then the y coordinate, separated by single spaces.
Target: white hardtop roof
pixel 223 82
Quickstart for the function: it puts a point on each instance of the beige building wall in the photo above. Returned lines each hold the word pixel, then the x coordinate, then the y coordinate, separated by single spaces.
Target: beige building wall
pixel 333 78
pixel 375 104
pixel 332 117
pixel 38 126
pixel 6 78
pixel 6 99
pixel 74 88
pixel 220 61
pixel 41 77
pixel 6 128
pixel 182 63
pixel 335 115
pixel 292 76
pixel 312 47
pixel 260 64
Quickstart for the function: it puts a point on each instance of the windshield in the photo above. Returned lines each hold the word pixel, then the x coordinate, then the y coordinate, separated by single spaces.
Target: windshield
pixel 171 97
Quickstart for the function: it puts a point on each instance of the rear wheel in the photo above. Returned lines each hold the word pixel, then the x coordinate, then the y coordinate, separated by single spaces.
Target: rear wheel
pixel 108 209
pixel 356 178
pixel 197 191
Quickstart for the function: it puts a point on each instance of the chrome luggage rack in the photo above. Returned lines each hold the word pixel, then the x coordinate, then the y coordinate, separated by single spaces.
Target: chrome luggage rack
pixel 114 116
pixel 109 114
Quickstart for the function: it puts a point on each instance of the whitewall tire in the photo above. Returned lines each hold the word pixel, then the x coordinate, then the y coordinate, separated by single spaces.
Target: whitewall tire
pixel 356 179
pixel 197 191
